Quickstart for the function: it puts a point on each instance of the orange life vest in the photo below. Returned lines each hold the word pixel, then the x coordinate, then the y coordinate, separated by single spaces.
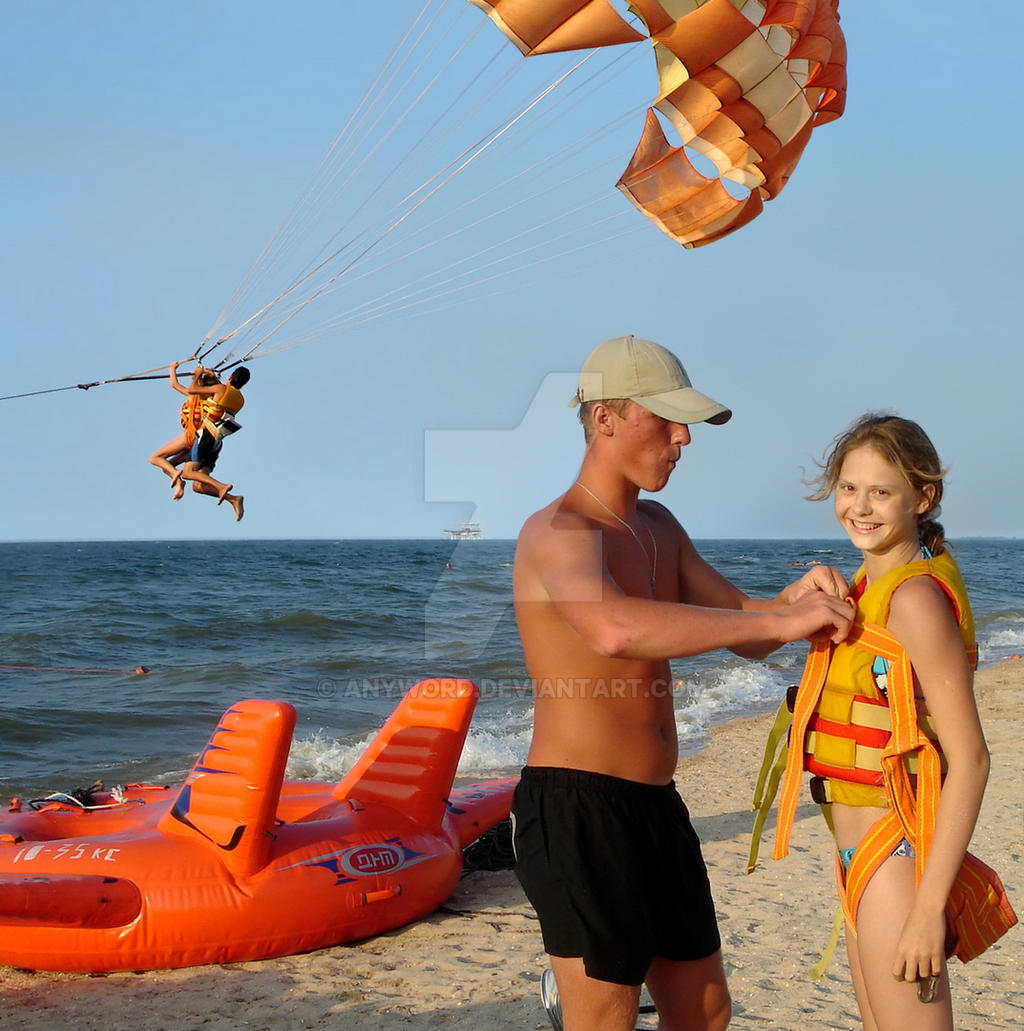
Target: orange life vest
pixel 191 417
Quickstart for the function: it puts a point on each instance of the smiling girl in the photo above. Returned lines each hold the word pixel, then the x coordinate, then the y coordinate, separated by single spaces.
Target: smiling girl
pixel 891 733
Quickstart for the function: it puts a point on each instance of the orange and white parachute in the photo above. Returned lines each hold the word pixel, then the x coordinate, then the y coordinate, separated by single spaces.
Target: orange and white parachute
pixel 743 82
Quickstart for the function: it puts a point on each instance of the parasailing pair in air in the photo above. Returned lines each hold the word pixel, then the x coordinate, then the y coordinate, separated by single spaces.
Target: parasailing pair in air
pixel 207 417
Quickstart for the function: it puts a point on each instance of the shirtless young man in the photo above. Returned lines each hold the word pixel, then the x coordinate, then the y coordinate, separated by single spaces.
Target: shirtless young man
pixel 608 589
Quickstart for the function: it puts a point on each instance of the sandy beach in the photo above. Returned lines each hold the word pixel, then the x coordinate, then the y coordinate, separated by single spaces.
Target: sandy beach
pixel 477 962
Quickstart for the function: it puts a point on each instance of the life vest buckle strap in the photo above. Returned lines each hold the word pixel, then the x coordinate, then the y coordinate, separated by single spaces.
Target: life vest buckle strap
pixel 819 791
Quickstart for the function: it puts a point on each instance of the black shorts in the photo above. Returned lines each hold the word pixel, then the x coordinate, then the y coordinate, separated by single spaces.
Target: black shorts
pixel 614 870
pixel 205 450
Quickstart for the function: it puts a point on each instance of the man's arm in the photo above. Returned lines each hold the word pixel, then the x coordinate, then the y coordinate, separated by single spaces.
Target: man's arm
pixel 562 560
pixel 701 584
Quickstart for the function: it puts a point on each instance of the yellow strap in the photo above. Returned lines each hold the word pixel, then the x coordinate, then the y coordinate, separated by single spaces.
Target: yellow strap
pixel 817 971
pixel 768 778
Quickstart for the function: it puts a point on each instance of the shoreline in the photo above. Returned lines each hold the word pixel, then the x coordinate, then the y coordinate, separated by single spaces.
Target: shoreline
pixel 477 961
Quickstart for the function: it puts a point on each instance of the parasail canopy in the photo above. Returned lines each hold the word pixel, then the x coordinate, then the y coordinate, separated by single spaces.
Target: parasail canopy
pixel 743 82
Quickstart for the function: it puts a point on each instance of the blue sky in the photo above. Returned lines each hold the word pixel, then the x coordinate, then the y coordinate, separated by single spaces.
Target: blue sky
pixel 151 150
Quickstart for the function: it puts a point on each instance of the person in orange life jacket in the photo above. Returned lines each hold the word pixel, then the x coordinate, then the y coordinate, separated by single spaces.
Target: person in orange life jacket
pixel 607 589
pixel 173 453
pixel 220 405
pixel 887 483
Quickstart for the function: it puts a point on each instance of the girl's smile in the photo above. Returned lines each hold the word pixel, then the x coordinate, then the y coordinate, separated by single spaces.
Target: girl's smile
pixel 879 509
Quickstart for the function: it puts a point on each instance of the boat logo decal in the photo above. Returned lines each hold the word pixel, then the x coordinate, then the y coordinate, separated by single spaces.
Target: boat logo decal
pixel 349 864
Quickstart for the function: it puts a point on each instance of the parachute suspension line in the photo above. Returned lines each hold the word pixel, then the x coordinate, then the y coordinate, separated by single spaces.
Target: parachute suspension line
pixel 362 148
pixel 431 281
pixel 350 325
pixel 474 152
pixel 382 139
pixel 439 287
pixel 314 192
pixel 553 160
pixel 586 88
pixel 594 81
pixel 487 141
pixel 303 203
pixel 383 181
pixel 491 214
pixel 501 187
pixel 368 115
pixel 300 281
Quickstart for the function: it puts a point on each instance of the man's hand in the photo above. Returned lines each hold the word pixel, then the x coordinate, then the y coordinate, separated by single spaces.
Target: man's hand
pixel 817 613
pixel 819 578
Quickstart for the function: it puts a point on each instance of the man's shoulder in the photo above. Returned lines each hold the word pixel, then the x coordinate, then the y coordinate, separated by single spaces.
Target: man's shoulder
pixel 544 532
pixel 556 515
pixel 659 513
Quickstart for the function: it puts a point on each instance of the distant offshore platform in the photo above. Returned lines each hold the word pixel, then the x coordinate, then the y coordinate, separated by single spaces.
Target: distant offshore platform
pixel 465 532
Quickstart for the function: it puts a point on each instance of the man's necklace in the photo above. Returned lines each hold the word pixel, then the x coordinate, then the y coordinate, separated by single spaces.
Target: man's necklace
pixel 653 563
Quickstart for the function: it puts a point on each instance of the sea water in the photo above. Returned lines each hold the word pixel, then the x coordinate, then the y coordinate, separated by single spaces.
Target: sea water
pixel 341 629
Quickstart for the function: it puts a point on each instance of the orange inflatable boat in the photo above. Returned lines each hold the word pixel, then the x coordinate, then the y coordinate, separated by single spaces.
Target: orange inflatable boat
pixel 238 864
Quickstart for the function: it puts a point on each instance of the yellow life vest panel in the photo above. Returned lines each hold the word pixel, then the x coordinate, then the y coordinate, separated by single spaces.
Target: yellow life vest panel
pixel 852 723
pixel 229 402
pixel 219 415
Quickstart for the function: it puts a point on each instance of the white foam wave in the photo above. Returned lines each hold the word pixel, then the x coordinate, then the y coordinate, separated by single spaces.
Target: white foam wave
pixel 499 737
pixel 1002 638
pixel 723 693
pixel 322 757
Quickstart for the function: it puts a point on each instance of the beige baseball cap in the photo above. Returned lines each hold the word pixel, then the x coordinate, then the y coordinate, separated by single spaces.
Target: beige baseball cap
pixel 648 374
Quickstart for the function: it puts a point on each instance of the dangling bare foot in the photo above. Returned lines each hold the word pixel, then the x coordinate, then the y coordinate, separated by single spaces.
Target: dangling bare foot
pixel 223 493
pixel 179 489
pixel 238 505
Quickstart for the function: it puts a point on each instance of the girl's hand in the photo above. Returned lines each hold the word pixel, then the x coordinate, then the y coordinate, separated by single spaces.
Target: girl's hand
pixel 920 951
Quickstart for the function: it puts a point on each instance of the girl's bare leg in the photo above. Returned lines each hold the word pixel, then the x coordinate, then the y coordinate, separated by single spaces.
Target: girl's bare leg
pixel 892 1005
pixel 160 458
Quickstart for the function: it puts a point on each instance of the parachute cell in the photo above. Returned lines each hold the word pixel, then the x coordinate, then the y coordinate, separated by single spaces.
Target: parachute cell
pixel 743 82
pixel 557 25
